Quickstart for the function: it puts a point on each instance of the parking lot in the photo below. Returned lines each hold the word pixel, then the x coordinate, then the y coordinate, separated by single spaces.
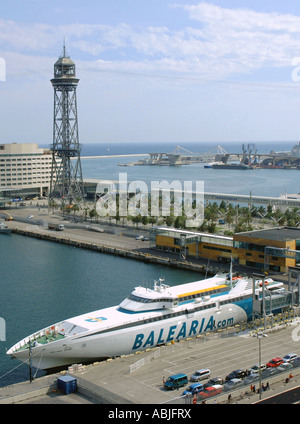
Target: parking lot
pixel 138 378
pixel 221 355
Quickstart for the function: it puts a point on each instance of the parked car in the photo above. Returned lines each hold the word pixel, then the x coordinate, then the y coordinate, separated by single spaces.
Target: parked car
pixel 268 372
pixel 139 238
pixel 257 368
pixel 284 366
pixel 193 389
pixel 296 362
pixel 214 381
pixel 236 374
pixel 199 375
pixel 290 357
pixel 233 384
pixel 275 362
pixel 210 391
pixel 176 381
pixel 251 378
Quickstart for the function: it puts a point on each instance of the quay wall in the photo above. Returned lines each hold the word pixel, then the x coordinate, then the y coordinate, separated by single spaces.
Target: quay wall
pixel 141 256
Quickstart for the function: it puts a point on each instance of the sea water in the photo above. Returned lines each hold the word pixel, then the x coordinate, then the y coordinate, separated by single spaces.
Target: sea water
pixel 260 182
pixel 43 282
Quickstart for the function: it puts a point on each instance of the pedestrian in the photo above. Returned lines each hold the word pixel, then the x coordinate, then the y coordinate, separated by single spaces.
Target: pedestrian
pixel 263 387
pixel 267 386
pixel 229 398
pixel 253 388
pixel 290 376
pixel 164 380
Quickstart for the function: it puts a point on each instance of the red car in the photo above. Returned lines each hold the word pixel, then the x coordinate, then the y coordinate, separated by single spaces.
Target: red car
pixel 275 362
pixel 210 391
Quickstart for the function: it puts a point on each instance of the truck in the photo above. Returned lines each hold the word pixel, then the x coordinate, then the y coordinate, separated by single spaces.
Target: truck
pixel 56 227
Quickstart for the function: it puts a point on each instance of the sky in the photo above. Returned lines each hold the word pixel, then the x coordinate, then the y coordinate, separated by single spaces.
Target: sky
pixel 154 70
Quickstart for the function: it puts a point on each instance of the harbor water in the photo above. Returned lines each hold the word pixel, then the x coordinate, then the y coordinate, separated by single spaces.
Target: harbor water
pixel 44 282
pixel 260 182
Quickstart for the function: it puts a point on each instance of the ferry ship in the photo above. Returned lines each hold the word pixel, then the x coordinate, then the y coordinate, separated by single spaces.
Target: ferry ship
pixel 145 319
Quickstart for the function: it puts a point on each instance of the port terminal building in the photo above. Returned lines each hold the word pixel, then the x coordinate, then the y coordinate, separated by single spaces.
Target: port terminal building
pixel 274 249
pixel 25 170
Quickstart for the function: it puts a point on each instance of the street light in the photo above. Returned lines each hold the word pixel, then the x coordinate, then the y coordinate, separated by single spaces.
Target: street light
pixel 260 334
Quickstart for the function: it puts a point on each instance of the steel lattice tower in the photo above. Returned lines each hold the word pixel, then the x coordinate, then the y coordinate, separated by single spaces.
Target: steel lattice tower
pixel 66 174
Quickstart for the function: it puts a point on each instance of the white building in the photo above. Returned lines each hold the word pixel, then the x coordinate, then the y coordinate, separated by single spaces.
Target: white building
pixel 25 169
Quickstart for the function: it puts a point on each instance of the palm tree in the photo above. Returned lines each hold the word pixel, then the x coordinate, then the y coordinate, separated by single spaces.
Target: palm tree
pixel 230 215
pixel 75 209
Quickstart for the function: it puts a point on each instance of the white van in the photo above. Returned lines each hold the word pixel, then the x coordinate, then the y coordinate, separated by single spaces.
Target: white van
pixel 199 375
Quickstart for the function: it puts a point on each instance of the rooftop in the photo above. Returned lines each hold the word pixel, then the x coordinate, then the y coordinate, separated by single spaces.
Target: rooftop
pixel 279 234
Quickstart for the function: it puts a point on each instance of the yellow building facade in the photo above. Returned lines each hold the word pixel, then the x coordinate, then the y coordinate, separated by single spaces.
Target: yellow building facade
pixel 272 249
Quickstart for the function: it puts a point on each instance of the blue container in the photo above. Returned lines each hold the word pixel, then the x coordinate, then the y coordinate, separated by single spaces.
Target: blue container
pixel 67 384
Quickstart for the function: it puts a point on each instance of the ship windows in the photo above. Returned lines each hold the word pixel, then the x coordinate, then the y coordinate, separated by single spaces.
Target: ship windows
pixel 145 300
pixel 206 293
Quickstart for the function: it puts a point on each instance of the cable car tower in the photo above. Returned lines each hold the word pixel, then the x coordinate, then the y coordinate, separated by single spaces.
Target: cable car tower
pixel 66 174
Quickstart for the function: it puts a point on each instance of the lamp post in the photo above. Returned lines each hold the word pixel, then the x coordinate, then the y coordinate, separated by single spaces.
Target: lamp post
pixel 260 334
pixel 30 362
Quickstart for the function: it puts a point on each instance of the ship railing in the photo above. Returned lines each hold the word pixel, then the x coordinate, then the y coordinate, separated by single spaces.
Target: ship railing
pixel 49 331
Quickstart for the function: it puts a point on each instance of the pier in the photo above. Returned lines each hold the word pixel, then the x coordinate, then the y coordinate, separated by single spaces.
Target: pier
pixel 138 378
pixel 180 156
pixel 283 202
pixel 119 245
pixel 248 156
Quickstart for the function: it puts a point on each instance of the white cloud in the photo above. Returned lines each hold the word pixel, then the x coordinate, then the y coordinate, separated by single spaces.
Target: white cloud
pixel 245 39
pixel 219 42
pixel 156 82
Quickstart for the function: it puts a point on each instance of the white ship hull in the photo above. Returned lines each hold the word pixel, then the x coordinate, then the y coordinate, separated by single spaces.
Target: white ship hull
pixel 147 318
pixel 121 342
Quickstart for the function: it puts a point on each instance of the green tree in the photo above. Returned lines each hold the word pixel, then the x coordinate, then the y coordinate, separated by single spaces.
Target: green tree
pixel 93 213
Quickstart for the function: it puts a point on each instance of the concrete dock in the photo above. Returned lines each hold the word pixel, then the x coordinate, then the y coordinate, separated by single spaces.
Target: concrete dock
pixel 138 378
pixel 111 239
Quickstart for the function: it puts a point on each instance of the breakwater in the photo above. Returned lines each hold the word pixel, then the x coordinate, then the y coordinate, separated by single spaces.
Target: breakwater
pixel 131 254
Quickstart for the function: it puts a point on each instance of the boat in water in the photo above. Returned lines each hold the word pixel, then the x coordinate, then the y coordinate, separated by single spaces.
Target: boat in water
pixel 211 164
pixel 240 166
pixel 145 319
pixel 4 228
